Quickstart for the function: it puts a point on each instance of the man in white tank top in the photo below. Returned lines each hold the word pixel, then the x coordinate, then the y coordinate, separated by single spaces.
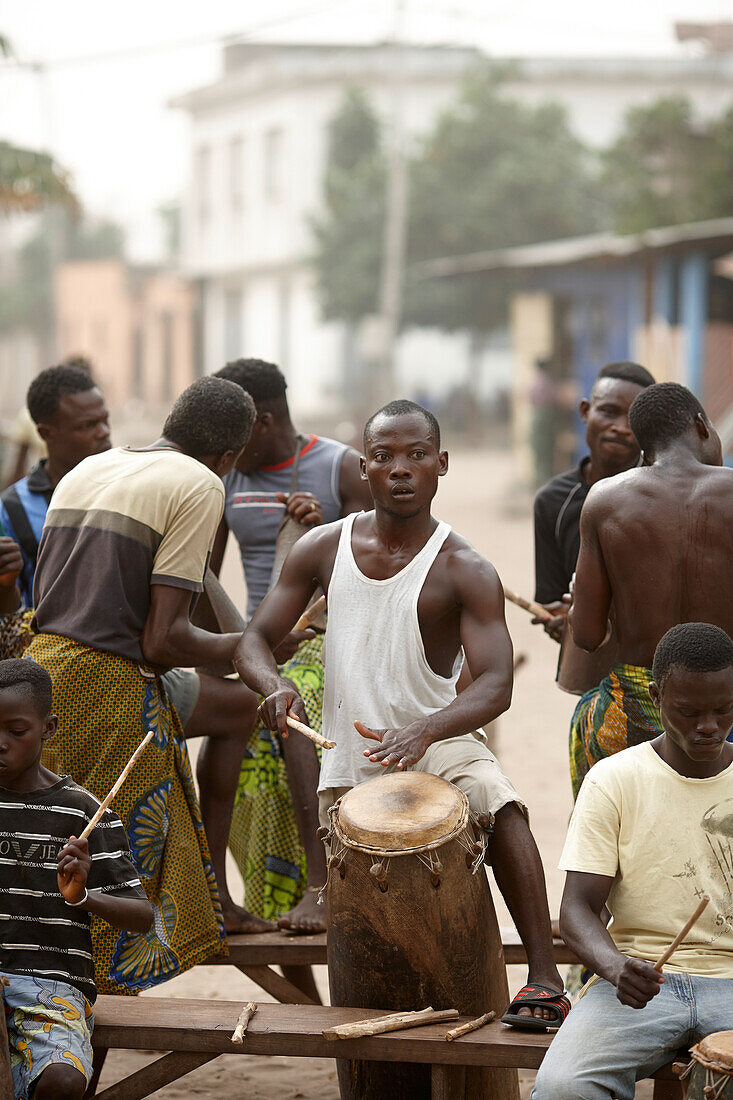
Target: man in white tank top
pixel 407 597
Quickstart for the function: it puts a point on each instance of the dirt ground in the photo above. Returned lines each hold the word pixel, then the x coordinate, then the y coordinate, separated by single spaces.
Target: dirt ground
pixel 478 497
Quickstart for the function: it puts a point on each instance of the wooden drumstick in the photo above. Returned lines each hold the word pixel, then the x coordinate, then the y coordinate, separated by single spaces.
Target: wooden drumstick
pixel 125 772
pixel 472 1025
pixel 316 738
pixel 311 613
pixel 246 1015
pixel 535 609
pixel 679 938
pixel 397 1021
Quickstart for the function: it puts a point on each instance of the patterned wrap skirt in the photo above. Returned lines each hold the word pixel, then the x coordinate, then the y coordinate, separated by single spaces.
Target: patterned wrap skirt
pixel 616 714
pixel 264 836
pixel 105 705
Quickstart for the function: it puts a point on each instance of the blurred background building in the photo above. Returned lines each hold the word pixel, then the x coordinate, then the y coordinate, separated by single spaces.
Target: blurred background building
pixel 556 213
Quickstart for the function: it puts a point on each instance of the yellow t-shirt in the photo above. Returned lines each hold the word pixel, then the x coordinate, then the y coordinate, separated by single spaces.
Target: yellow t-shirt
pixel 665 840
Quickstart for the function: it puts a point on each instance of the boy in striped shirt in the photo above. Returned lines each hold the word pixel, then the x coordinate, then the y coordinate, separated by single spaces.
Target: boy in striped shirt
pixel 50 886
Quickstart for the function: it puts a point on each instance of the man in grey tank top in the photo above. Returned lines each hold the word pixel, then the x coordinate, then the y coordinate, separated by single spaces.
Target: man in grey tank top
pixel 311 480
pixel 448 601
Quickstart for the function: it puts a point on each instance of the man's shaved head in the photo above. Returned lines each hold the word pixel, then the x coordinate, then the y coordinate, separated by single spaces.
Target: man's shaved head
pixel 626 372
pixel 404 408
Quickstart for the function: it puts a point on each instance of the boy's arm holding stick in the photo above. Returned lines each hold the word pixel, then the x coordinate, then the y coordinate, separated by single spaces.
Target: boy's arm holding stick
pixel 74 865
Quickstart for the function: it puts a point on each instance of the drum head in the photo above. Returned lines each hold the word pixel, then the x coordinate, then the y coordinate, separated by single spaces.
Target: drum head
pixel 716 1051
pixel 401 811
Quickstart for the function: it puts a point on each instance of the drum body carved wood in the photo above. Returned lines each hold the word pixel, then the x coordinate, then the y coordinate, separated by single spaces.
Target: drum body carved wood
pixel 415 929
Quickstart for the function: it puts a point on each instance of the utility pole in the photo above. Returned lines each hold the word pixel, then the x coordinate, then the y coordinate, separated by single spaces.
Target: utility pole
pixel 391 283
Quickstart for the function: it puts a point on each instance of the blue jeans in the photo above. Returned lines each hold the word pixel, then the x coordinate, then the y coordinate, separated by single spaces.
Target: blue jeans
pixel 603 1047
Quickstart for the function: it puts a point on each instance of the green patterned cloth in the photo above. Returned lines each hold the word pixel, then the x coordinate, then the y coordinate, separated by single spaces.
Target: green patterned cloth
pixel 264 836
pixel 105 705
pixel 616 714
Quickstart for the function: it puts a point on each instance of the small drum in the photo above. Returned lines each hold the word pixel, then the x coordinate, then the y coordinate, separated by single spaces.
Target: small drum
pixel 411 923
pixel 711 1072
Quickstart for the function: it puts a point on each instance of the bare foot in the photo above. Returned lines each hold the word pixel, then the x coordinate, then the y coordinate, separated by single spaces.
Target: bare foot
pixel 239 921
pixel 308 917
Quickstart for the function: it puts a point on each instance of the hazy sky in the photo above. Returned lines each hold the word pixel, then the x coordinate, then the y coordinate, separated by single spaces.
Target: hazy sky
pixel 98 97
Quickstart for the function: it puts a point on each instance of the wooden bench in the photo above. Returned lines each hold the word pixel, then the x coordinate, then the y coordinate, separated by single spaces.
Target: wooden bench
pixel 256 955
pixel 193 1032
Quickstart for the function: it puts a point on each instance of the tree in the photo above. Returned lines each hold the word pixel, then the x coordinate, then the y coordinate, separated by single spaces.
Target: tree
pixel 666 168
pixel 29 179
pixel 492 173
pixel 649 173
pixel 348 232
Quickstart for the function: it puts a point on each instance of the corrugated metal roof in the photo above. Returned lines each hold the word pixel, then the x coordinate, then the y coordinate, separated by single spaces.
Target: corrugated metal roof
pixel 574 250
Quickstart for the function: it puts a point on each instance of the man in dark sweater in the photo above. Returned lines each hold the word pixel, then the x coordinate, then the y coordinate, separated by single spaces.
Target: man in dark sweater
pixel 558 504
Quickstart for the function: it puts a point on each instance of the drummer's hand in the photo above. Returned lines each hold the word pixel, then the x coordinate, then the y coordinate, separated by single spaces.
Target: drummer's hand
pixel 290 643
pixel 304 508
pixel 274 708
pixel 400 747
pixel 637 982
pixel 555 626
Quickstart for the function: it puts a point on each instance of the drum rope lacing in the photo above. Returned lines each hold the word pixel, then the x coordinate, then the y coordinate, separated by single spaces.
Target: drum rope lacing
pixel 715 1085
pixel 426 853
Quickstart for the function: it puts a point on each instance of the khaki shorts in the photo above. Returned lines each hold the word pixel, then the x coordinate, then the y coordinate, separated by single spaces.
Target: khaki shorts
pixel 465 761
pixel 182 686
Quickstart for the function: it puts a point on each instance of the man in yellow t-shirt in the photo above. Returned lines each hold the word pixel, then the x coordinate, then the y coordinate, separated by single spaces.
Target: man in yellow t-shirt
pixel 651 833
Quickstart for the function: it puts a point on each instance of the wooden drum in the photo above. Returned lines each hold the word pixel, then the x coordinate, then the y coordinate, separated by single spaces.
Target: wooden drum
pixel 411 923
pixel 711 1072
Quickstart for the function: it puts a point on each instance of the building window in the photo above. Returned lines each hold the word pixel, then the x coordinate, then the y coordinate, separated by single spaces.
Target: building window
pixel 232 323
pixel 236 174
pixel 202 176
pixel 273 165
pixel 166 341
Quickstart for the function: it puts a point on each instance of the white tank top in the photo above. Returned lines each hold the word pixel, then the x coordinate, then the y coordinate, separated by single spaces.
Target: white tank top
pixel 376 668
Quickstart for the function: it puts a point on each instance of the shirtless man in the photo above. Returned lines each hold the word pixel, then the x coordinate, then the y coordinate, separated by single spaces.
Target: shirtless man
pixel 378 567
pixel 658 542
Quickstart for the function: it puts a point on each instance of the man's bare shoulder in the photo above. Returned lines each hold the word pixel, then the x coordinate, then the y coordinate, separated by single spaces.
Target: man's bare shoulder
pixel 320 539
pixel 464 561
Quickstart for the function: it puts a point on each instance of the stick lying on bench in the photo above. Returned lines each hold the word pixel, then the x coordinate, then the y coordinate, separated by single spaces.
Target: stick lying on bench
pixel 246 1015
pixel 472 1025
pixel 125 772
pixel 308 732
pixel 378 1025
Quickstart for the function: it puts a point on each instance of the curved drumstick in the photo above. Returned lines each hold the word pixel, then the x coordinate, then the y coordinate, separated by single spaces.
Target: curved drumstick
pixel 311 613
pixel 316 738
pixel 535 609
pixel 125 772
pixel 679 938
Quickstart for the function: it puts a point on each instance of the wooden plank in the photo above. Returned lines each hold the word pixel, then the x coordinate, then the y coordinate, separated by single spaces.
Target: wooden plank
pixel 277 986
pixel 278 948
pixel 273 949
pixel 155 1076
pixel 296 1029
pixel 447 1083
pixel 151 1023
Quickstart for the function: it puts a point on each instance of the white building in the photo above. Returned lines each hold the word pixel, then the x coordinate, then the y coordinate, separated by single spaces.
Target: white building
pixel 259 143
pixel 258 148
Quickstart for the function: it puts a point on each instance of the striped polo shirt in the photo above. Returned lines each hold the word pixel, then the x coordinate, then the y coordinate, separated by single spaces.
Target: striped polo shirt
pixel 118 523
pixel 40 934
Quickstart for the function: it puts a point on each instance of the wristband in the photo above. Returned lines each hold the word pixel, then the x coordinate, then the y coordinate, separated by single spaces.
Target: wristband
pixel 76 904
